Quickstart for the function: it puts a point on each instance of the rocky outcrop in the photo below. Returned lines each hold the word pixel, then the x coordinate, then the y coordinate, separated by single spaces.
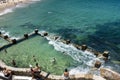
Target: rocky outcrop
pixel 109 74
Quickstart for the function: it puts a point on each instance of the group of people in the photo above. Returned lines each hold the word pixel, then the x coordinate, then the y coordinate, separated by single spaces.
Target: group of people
pixel 8 73
pixel 36 72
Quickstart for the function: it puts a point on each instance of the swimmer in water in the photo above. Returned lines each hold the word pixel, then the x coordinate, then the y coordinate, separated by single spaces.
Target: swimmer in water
pixel 53 61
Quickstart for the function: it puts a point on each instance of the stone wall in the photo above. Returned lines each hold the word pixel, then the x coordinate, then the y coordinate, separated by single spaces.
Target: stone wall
pixel 26 72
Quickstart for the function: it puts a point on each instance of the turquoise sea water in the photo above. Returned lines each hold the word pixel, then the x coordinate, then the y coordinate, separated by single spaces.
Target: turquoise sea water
pixel 92 22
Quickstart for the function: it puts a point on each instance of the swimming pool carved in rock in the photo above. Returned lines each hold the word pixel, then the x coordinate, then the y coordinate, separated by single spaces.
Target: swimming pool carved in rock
pixel 32 48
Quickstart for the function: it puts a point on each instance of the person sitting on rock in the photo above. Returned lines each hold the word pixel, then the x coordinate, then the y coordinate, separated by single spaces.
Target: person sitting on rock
pixel 35 71
pixel 7 73
pixel 37 67
pixel 66 74
pixel 5 50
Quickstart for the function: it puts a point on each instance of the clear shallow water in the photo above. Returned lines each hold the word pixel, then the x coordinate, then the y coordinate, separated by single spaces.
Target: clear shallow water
pixel 96 23
pixel 2 42
pixel 44 53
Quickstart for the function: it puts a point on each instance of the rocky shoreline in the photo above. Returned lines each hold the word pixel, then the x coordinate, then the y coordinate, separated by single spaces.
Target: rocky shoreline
pixel 6 4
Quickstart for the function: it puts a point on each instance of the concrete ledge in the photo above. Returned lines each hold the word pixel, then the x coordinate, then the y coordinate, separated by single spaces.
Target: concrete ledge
pixel 27 72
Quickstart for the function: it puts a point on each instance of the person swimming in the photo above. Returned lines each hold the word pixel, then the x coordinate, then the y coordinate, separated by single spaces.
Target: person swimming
pixel 34 59
pixel 53 61
pixel 13 63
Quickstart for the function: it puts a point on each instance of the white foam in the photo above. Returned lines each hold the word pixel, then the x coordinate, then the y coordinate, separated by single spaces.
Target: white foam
pixel 6 11
pixel 49 12
pixel 15 38
pixel 21 5
pixel 72 51
pixel 86 59
pixel 3 31
pixel 78 70
pixel 33 1
pixel 8 33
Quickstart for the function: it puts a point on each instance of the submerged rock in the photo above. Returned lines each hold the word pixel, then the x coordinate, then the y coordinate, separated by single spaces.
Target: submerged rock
pixel 6 36
pixel 67 41
pixel 45 34
pixel 84 47
pixel 56 37
pixel 106 54
pixel 97 64
pixel 36 31
pixel 0 33
pixel 26 35
pixel 14 41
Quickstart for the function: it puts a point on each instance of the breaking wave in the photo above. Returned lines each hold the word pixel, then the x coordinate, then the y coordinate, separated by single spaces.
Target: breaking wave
pixel 6 11
pixel 85 59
